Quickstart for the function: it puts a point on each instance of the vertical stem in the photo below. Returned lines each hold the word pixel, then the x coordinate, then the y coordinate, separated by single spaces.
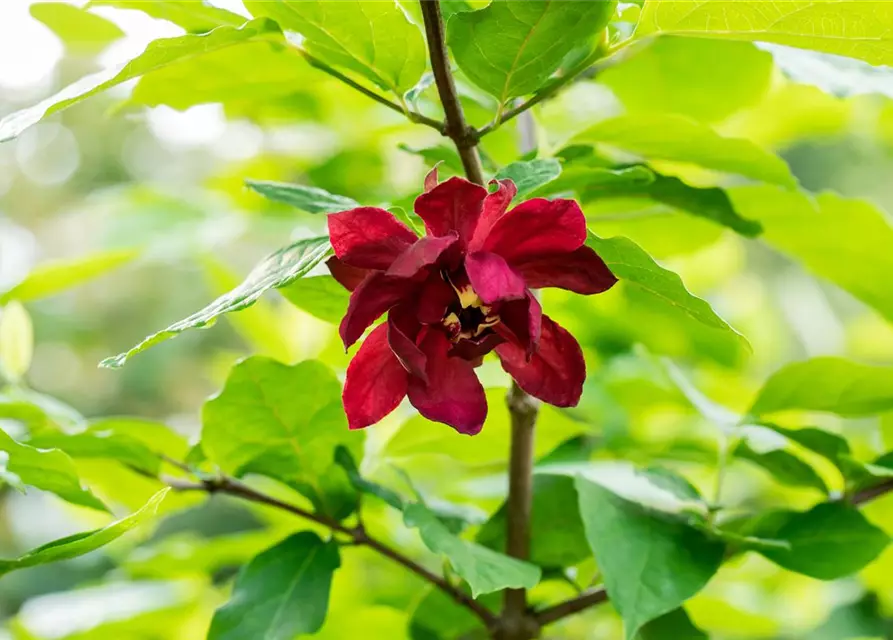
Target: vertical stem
pixel 515 623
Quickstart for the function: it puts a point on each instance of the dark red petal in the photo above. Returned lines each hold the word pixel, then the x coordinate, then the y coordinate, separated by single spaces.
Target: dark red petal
pixel 492 278
pixel 555 373
pixel 454 205
pixel 347 276
pixel 375 295
pixel 495 206
pixel 403 329
pixel 375 383
pixel 434 297
pixel 535 228
pixel 474 350
pixel 521 322
pixel 453 394
pixel 368 237
pixel 431 178
pixel 425 252
pixel 581 271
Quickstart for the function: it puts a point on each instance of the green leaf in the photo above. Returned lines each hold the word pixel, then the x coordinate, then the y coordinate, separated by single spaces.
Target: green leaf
pixel 277 270
pixel 709 203
pixel 830 541
pixel 196 16
pixel 839 76
pixel 679 139
pixel 16 341
pixel 827 384
pixel 284 422
pixel 159 54
pixel 651 564
pixel 99 443
pixel 850 242
pixel 374 39
pixel 320 296
pixel 392 498
pixel 581 179
pixel 557 538
pixel 530 175
pixel 483 569
pixel 82 543
pixel 54 277
pixel 786 467
pixel 448 156
pixel 80 30
pixel 855 29
pixel 708 80
pixel 637 269
pixel 828 445
pixel 675 625
pixel 510 49
pixel 46 469
pixel 309 199
pixel 282 593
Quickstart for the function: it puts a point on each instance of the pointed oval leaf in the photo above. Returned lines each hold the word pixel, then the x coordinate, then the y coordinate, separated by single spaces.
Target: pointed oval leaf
pixel 80 30
pixel 282 593
pixel 530 175
pixel 277 270
pixel 196 16
pixel 309 199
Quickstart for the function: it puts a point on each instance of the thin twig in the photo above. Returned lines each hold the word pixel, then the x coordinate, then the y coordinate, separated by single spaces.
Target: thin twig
pixel 567 608
pixel 456 128
pixel 870 493
pixel 412 115
pixel 357 535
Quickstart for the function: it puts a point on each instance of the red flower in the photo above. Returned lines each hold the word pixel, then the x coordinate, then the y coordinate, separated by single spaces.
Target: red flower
pixel 456 294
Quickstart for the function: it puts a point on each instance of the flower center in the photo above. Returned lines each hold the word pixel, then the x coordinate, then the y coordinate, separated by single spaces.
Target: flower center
pixel 468 317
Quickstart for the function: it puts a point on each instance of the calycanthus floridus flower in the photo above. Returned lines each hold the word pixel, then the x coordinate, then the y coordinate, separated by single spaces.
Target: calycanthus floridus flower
pixel 458 293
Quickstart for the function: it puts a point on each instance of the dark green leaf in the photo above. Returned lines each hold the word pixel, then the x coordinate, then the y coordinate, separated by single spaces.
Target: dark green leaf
pixel 828 445
pixel 675 625
pixel 827 384
pixel 159 54
pixel 672 137
pixel 530 175
pixel 46 469
pixel 55 277
pixel 830 541
pixel 374 39
pixel 557 538
pixel 282 593
pixel 81 543
pixel 309 199
pixel 277 270
pixel 636 268
pixel 510 49
pixel 196 16
pixel 582 179
pixel 80 30
pixel 320 296
pixel 483 569
pixel 786 467
pixel 651 563
pixel 283 422
pixel 343 458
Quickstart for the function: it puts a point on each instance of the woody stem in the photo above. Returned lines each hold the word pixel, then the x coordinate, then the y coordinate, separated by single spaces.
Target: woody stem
pixel 515 621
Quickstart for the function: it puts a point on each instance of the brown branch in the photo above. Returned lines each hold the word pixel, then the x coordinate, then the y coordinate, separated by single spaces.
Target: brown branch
pixel 870 493
pixel 567 608
pixel 455 127
pixel 412 115
pixel 358 535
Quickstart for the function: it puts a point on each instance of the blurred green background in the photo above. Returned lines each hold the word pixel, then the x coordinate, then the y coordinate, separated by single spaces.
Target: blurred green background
pixel 153 182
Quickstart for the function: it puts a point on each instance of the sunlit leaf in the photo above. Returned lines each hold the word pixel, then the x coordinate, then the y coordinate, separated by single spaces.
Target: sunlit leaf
pixel 827 384
pixel 530 175
pixel 46 469
pixel 80 30
pixel 320 296
pixel 277 270
pixel 854 29
pixel 157 55
pixel 54 277
pixel 510 48
pixel 374 39
pixel 98 443
pixel 282 593
pixel 81 543
pixel 483 569
pixel 676 138
pixel 16 341
pixel 196 16
pixel 650 564
pixel 786 467
pixel 309 199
